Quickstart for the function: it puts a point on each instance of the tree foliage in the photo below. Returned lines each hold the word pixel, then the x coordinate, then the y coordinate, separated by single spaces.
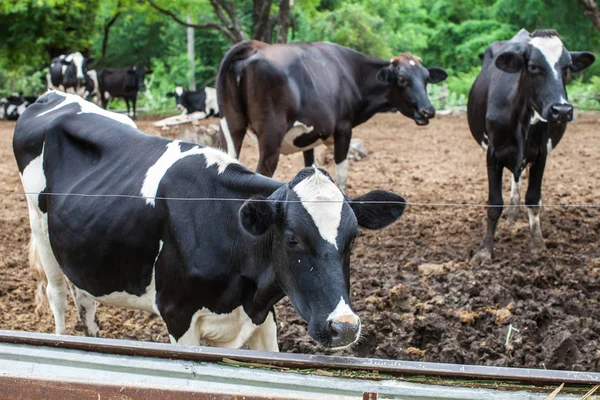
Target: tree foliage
pixel 446 33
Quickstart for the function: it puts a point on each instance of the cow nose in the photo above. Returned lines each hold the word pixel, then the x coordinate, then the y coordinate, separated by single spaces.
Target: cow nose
pixel 344 330
pixel 561 112
pixel 427 112
pixel 179 106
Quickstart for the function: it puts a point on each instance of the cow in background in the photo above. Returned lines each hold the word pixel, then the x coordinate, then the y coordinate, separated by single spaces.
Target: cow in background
pixel 296 96
pixel 14 105
pixel 124 83
pixel 203 100
pixel 518 112
pixel 67 73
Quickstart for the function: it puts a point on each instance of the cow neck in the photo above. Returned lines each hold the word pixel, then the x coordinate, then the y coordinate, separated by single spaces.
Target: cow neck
pixel 374 94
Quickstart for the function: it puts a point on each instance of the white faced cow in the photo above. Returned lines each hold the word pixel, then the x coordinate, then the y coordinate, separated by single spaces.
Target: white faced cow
pixel 67 73
pixel 518 112
pixel 211 269
pixel 296 96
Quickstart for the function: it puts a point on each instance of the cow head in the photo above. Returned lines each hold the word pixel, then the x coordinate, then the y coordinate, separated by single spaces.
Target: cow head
pixel 407 80
pixel 309 227
pixel 543 62
pixel 134 79
pixel 178 94
pixel 76 63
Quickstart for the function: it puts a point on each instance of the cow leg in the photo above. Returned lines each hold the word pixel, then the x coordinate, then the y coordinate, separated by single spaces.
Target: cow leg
pixel 309 157
pixel 269 146
pixel 128 109
pixel 533 200
pixel 232 135
pixel 133 103
pixel 264 337
pixel 86 306
pixel 515 199
pixel 486 249
pixel 341 146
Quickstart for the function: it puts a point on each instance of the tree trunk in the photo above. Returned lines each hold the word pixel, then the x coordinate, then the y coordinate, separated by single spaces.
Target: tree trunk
pixel 284 20
pixel 590 10
pixel 191 56
pixel 262 8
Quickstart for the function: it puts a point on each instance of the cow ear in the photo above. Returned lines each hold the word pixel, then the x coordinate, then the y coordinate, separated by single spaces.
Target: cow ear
pixel 170 94
pixel 581 60
pixel 510 61
pixel 257 214
pixel 386 75
pixel 378 209
pixel 436 75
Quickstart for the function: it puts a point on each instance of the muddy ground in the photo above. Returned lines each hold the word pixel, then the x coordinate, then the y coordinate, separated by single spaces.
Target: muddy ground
pixel 412 285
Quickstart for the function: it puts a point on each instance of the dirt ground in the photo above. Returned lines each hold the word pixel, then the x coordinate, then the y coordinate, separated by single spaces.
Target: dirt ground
pixel 412 285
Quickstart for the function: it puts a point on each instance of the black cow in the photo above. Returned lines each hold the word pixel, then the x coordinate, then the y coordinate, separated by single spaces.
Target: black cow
pixel 295 96
pixel 121 82
pixel 67 73
pixel 211 269
pixel 14 105
pixel 518 111
pixel 203 100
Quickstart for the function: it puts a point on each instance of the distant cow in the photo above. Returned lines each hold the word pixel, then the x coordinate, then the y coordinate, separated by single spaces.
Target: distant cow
pixel 67 73
pixel 204 100
pixel 121 82
pixel 92 88
pixel 518 112
pixel 13 106
pixel 296 96
pixel 211 270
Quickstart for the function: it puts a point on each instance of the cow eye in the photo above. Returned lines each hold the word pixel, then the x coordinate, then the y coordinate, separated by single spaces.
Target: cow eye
pixel 534 69
pixel 291 240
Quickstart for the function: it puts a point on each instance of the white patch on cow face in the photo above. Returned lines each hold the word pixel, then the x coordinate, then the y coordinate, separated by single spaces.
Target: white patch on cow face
pixel 551 48
pixel 411 62
pixel 173 154
pixel 228 139
pixel 77 60
pixel 179 91
pixel 89 108
pixel 298 129
pixel 344 314
pixel 230 330
pixel 324 201
pixel 146 301
pixel 341 174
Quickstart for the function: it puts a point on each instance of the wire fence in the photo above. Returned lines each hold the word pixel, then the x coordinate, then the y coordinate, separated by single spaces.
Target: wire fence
pixel 242 200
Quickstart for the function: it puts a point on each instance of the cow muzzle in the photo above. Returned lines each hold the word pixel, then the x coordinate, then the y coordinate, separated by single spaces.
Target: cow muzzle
pixel 179 107
pixel 560 112
pixel 423 115
pixel 344 330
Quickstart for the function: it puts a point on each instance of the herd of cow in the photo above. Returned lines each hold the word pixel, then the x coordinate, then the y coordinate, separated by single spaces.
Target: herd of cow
pixel 213 269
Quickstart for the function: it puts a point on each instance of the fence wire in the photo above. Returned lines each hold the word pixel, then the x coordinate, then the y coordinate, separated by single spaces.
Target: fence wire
pixel 241 200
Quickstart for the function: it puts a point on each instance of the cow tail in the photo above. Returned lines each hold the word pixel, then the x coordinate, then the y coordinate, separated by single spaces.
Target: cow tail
pixel 37 271
pixel 238 52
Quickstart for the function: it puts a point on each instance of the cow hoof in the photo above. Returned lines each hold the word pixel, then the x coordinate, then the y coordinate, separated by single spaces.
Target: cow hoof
pixel 511 215
pixel 482 257
pixel 538 247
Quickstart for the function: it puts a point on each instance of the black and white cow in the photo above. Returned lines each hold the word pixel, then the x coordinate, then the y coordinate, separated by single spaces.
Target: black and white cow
pixel 204 100
pixel 124 83
pixel 67 73
pixel 296 96
pixel 14 105
pixel 518 112
pixel 211 269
